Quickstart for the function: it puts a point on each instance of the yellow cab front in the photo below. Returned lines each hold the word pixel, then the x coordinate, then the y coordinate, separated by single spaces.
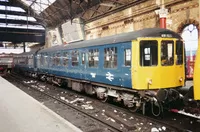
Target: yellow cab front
pixel 157 63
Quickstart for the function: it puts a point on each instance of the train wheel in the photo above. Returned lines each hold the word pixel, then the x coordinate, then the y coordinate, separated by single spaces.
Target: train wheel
pixel 105 99
pixel 102 97
pixel 134 108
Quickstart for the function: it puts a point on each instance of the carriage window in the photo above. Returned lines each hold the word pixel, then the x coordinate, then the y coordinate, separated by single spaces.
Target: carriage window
pixel 51 60
pixel 38 59
pixel 57 59
pixel 42 60
pixel 179 52
pixel 54 59
pixel 110 57
pixel 75 58
pixel 127 57
pixel 15 60
pixel 167 53
pixel 148 53
pixel 26 60
pixel 93 57
pixel 65 58
pixel 46 59
pixel 83 58
pixel 30 60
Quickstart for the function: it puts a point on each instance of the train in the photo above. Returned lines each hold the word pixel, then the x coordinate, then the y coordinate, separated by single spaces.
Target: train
pixel 6 63
pixel 140 69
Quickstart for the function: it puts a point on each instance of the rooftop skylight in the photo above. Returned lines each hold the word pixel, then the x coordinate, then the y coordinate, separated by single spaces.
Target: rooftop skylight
pixel 38 5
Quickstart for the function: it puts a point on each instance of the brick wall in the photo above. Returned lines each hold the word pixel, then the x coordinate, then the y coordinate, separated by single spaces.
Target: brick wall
pixel 142 16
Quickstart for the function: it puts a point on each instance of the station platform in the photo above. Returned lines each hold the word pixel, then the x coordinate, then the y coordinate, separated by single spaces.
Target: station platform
pixel 19 112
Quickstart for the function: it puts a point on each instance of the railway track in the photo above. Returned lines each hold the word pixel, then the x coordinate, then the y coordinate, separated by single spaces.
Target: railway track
pixel 166 123
pixel 110 127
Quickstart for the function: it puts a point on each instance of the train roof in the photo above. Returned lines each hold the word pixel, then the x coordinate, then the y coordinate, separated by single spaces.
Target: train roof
pixel 124 37
pixel 26 53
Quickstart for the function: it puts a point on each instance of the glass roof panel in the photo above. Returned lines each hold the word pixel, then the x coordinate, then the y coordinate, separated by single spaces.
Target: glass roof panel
pixel 21 26
pixel 38 5
pixel 11 8
pixel 14 17
pixel 4 0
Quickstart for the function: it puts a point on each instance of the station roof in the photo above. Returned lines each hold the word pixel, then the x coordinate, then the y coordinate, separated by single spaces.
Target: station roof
pixel 52 13
pixel 37 15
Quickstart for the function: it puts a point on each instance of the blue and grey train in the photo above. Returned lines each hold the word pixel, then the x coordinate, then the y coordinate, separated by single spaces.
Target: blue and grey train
pixel 134 68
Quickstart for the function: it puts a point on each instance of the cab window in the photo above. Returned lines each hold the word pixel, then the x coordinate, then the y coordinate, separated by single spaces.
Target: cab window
pixel 179 52
pixel 167 53
pixel 148 53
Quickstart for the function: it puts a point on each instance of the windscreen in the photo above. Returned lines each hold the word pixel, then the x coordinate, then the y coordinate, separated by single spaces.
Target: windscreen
pixel 167 53
pixel 149 53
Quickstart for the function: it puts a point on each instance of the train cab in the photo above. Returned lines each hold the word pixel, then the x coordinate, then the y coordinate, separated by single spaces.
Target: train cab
pixel 158 65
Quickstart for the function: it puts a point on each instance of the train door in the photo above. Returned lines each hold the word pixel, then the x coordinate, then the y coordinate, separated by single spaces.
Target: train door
pixel 144 64
pixel 125 57
pixel 83 64
pixel 179 62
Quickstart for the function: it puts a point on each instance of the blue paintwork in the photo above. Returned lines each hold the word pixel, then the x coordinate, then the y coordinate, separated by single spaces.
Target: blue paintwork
pixel 26 67
pixel 121 74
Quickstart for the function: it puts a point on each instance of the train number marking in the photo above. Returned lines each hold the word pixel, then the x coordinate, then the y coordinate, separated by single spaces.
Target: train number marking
pixel 93 75
pixel 109 76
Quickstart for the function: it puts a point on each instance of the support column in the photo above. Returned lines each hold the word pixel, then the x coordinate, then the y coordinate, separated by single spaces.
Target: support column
pixel 163 22
pixel 24 46
pixel 162 12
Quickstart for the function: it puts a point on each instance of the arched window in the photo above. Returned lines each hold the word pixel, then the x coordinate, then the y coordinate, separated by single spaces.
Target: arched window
pixel 190 37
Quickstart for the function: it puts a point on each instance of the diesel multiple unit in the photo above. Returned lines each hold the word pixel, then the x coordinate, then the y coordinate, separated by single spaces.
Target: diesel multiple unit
pixel 136 68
